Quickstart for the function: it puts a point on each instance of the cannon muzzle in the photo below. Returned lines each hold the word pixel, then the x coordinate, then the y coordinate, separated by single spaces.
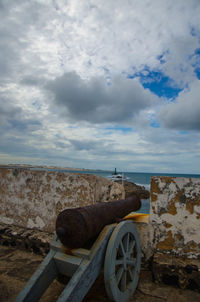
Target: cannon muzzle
pixel 76 226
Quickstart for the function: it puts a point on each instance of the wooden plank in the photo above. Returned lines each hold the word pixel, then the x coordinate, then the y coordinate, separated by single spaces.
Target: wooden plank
pixel 39 281
pixel 66 264
pixel 88 270
pixel 82 253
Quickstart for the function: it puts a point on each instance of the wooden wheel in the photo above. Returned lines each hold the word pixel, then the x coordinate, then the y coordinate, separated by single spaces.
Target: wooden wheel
pixel 122 262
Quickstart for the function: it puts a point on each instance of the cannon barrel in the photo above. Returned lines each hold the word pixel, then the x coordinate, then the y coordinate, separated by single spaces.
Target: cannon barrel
pixel 76 226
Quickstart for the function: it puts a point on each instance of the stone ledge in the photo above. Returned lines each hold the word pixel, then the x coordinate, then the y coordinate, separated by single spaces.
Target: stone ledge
pixel 180 271
pixel 27 239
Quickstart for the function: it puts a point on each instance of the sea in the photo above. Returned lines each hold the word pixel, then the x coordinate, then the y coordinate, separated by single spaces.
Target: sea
pixel 139 178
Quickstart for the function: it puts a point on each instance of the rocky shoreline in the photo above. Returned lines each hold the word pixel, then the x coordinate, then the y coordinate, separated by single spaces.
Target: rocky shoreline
pixel 131 188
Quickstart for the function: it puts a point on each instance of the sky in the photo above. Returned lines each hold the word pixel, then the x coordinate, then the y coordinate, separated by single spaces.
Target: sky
pixel 101 84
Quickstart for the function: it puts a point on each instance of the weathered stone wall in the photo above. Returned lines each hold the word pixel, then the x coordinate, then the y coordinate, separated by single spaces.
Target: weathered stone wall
pixel 170 242
pixel 33 199
pixel 175 215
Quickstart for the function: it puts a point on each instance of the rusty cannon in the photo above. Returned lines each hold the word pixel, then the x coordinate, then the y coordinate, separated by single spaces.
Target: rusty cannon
pixel 96 236
pixel 77 226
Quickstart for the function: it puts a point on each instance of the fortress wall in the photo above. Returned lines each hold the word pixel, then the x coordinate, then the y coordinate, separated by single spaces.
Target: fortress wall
pixel 33 199
pixel 170 242
pixel 175 215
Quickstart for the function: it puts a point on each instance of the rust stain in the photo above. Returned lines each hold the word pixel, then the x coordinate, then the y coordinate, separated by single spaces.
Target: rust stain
pixel 167 179
pixel 46 188
pixel 167 225
pixel 172 208
pixel 48 178
pixel 67 250
pixel 192 245
pixel 4 173
pixel 60 177
pixel 154 190
pixel 167 243
pixel 59 207
pixel 190 205
pixel 179 196
pixel 178 236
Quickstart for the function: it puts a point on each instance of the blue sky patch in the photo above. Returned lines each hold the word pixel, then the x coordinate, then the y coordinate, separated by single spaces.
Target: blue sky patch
pixel 197 63
pixel 36 104
pixel 197 51
pixel 161 58
pixel 183 132
pixel 159 84
pixel 154 124
pixel 119 128
pixel 197 71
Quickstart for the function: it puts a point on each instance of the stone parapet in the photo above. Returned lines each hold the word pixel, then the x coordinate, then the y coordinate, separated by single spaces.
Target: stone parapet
pixel 175 216
pixel 33 199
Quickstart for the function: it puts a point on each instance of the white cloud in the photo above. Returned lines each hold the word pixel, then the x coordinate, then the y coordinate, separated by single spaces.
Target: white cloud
pixel 56 59
pixel 184 114
pixel 90 37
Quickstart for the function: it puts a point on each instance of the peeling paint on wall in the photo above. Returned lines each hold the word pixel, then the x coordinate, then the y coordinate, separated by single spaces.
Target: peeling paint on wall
pixel 175 215
pixel 33 199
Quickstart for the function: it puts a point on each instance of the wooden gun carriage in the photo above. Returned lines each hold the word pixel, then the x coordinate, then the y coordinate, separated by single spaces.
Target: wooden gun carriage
pixel 116 249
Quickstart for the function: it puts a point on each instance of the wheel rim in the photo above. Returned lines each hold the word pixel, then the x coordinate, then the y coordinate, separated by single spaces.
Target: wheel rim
pixel 122 262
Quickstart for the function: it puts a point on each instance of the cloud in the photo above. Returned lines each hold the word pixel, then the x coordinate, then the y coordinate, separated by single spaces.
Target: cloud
pixel 50 38
pixel 8 111
pixel 184 114
pixel 95 101
pixel 88 145
pixel 65 96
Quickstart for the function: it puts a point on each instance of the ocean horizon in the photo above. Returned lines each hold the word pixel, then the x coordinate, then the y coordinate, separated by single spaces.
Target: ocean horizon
pixel 139 178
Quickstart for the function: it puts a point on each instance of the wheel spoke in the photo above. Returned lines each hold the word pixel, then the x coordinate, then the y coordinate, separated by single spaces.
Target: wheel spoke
pixel 131 245
pixel 119 274
pixel 126 242
pixel 130 273
pixel 119 261
pixel 122 248
pixel 122 262
pixel 131 262
pixel 123 282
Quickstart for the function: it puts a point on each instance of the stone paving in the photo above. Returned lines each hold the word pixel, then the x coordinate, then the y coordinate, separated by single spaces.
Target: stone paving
pixel 17 266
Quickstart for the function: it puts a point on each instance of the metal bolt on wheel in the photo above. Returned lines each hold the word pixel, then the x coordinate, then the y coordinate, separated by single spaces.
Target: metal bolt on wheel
pixel 122 262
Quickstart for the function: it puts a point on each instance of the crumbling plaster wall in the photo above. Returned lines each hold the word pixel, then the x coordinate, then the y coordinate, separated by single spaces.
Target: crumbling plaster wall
pixel 175 215
pixel 33 199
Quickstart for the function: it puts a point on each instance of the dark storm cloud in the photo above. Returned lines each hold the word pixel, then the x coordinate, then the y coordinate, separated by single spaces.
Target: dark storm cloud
pixel 31 80
pixel 95 101
pixel 84 144
pixel 184 114
pixel 8 111
pixel 13 118
pixel 106 147
pixel 181 121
